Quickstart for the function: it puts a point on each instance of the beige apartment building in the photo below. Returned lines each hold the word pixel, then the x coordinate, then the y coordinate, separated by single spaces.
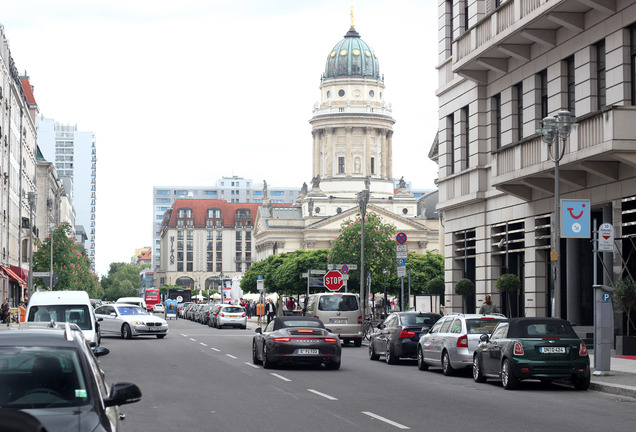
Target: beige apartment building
pixel 503 67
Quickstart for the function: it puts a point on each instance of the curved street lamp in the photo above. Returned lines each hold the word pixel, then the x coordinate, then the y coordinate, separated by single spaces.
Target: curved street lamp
pixel 553 130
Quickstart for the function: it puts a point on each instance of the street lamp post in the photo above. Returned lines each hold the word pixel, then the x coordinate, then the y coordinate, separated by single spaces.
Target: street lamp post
pixel 554 130
pixel 52 228
pixel 363 200
pixel 221 276
pixel 31 199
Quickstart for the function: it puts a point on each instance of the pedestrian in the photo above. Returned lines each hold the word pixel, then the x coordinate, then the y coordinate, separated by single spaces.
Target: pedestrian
pixel 488 307
pixel 4 311
pixel 248 309
pixel 291 304
pixel 242 303
pixel 270 310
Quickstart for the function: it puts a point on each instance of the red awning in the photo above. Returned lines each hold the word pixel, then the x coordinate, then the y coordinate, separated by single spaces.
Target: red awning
pixel 14 277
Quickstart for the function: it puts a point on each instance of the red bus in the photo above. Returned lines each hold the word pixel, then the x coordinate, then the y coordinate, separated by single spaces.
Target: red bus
pixel 152 297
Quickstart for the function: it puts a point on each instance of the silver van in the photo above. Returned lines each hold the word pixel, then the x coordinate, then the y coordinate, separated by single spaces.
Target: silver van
pixel 340 312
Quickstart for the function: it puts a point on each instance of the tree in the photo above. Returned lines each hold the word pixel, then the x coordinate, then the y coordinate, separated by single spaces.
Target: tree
pixel 288 276
pixel 507 283
pixel 122 281
pixel 379 246
pixel 436 286
pixel 625 298
pixel 464 287
pixel 70 262
pixel 264 268
pixel 424 268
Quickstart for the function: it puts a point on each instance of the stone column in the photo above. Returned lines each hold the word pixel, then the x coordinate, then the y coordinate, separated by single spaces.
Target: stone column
pixel 384 157
pixel 328 157
pixel 316 156
pixel 366 164
pixel 389 147
pixel 348 151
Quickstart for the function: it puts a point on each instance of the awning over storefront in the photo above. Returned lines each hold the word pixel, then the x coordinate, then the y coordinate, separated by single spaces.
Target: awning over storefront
pixel 13 276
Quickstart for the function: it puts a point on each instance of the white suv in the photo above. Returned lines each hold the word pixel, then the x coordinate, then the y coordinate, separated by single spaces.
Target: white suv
pixel 451 342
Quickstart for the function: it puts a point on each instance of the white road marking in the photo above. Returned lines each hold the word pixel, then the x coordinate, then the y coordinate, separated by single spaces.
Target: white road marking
pixel 326 396
pixel 184 335
pixel 215 349
pixel 253 365
pixel 231 356
pixel 385 420
pixel 193 340
pixel 280 377
pixel 203 344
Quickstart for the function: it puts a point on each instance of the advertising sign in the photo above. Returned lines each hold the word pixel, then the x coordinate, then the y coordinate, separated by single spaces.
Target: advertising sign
pixel 575 218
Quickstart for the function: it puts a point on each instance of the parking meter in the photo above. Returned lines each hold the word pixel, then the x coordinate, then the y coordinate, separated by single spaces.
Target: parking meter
pixel 603 328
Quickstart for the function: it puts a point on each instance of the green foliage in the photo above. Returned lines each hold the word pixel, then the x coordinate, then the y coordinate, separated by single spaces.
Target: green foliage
pixel 625 299
pixel 424 268
pixel 70 262
pixel 379 248
pixel 436 286
pixel 464 287
pixel 122 281
pixel 164 289
pixel 265 268
pixel 508 282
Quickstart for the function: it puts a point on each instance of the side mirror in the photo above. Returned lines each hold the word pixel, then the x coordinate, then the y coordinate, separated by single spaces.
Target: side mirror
pixel 100 351
pixel 425 329
pixel 113 314
pixel 381 326
pixel 100 319
pixel 258 330
pixel 122 393
pixel 484 338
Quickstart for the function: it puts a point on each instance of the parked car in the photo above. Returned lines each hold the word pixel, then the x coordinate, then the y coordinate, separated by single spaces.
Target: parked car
pixel 398 335
pixel 532 348
pixel 189 312
pixel 51 373
pixel 214 311
pixel 296 340
pixel 128 320
pixel 181 308
pixel 229 315
pixel 159 308
pixel 451 342
pixel 199 314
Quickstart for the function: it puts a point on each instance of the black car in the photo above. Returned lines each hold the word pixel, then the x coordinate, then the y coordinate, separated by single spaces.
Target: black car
pixel 398 334
pixel 52 374
pixel 532 348
pixel 296 340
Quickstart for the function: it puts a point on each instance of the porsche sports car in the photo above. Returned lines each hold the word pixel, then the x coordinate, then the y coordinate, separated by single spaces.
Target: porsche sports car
pixel 296 340
pixel 129 320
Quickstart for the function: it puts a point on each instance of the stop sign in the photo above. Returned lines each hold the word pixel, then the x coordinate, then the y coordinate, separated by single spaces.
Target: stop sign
pixel 333 280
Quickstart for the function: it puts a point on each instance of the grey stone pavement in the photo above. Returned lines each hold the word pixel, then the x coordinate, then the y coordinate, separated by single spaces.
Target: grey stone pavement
pixel 620 381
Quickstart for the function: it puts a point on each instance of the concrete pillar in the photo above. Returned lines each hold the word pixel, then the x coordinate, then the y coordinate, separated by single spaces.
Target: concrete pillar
pixel 328 157
pixel 348 151
pixel 573 281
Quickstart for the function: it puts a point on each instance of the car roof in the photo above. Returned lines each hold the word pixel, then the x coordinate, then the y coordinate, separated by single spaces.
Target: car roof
pixel 37 336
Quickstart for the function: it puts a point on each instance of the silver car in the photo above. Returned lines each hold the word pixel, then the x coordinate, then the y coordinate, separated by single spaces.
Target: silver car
pixel 229 315
pixel 127 320
pixel 451 342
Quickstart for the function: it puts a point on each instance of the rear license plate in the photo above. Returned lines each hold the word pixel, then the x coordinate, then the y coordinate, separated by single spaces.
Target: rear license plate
pixel 552 350
pixel 233 316
pixel 306 351
pixel 338 320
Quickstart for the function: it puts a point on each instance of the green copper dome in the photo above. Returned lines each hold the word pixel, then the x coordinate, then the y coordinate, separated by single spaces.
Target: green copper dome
pixel 352 57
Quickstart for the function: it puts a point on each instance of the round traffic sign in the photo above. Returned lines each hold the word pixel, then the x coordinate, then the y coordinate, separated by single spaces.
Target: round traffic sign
pixel 333 280
pixel 344 269
pixel 401 238
pixel 179 299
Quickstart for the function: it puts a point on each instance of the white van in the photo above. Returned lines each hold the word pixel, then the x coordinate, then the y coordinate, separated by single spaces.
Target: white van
pixel 65 306
pixel 340 312
pixel 137 301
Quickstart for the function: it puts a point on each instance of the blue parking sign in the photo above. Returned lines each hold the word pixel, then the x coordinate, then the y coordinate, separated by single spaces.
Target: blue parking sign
pixel 575 218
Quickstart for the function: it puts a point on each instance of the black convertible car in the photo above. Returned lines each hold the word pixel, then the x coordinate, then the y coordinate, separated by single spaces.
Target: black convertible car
pixel 296 340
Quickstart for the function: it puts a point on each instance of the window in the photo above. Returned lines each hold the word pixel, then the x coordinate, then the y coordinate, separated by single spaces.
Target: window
pixel 189 267
pixel 496 111
pixel 239 235
pixel 210 256
pixel 341 164
pixel 518 99
pixel 219 256
pixel 209 192
pixel 184 213
pixel 543 84
pixel 214 213
pixel 163 192
pixel 179 235
pixel 219 235
pixel 210 235
pixel 450 125
pixel 248 236
pixel 210 246
pixel 179 245
pixel 179 256
pixel 189 245
pixel 181 192
pixel 239 246
pixel 189 256
pixel 239 267
pixel 219 245
pixel 600 75
pixel 248 256
pixel 570 89
pixel 209 267
pixel 190 235
pixel 179 266
pixel 466 124
pixel 372 165
pixel 239 257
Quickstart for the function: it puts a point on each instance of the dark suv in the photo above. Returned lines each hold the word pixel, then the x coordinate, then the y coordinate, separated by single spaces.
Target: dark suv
pixel 52 374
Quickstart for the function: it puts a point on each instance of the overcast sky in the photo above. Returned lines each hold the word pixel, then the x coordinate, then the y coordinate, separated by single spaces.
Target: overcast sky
pixel 180 93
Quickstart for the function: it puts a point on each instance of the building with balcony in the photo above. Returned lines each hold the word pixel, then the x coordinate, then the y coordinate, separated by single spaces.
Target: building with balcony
pixel 205 241
pixel 503 67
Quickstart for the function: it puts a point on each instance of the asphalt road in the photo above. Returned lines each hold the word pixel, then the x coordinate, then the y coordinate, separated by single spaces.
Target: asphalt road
pixel 202 379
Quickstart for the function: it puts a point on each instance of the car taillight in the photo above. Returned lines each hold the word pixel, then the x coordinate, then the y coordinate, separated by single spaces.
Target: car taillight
pixel 360 319
pixel 405 334
pixel 462 341
pixel 582 350
pixel 285 339
pixel 331 340
pixel 518 348
pixel 222 314
pixel 243 315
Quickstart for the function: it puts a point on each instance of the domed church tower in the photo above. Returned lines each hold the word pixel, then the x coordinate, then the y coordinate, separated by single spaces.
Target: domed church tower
pixel 352 125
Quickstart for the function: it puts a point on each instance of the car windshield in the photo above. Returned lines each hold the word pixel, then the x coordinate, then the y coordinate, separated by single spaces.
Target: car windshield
pixel 233 309
pixel 481 325
pixel 416 320
pixel 338 303
pixel 41 377
pixel 77 314
pixel 131 310
pixel 546 330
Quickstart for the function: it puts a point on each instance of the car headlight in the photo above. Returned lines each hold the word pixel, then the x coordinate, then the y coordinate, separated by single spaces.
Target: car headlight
pixel 138 323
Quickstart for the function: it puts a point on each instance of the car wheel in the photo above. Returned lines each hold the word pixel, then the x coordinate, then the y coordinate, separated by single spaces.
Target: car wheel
pixel 508 378
pixel 447 368
pixel 478 375
pixel 421 364
pixel 255 358
pixel 372 354
pixel 126 333
pixel 582 383
pixel 161 336
pixel 267 364
pixel 244 327
pixel 209 323
pixel 389 356
pixel 333 365
pixel 357 342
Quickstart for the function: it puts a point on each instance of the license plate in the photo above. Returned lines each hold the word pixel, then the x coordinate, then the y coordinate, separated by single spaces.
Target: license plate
pixel 152 329
pixel 234 316
pixel 552 350
pixel 306 351
pixel 338 320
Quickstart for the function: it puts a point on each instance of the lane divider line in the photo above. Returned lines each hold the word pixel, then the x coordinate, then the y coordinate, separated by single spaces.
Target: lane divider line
pixel 281 377
pixel 215 349
pixel 193 340
pixel 385 420
pixel 203 344
pixel 326 396
pixel 231 356
pixel 252 365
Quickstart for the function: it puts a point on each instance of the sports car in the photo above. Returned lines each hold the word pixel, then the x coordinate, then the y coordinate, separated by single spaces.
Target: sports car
pixel 296 340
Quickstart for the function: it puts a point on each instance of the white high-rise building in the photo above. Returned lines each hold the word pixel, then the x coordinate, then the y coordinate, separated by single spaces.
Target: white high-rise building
pixel 73 153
